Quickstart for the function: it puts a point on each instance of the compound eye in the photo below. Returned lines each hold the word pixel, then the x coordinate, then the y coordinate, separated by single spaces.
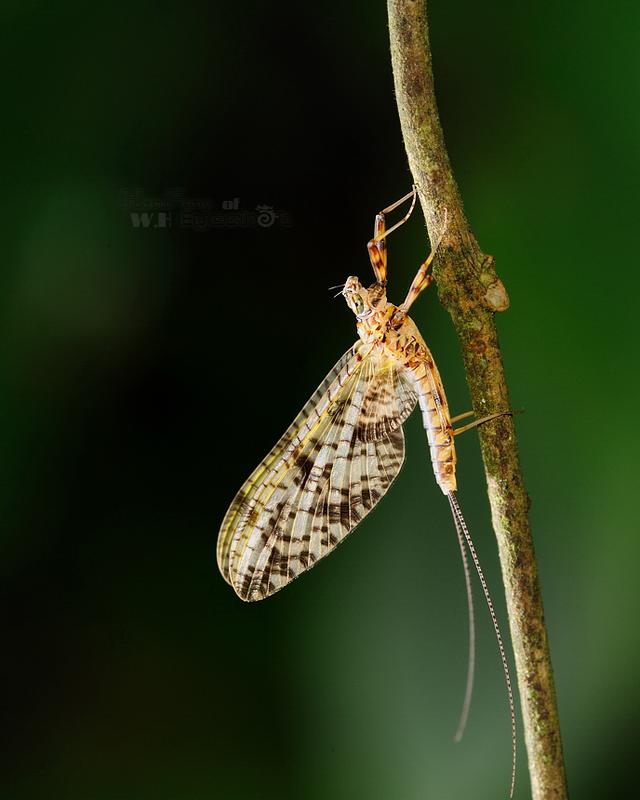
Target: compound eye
pixel 358 304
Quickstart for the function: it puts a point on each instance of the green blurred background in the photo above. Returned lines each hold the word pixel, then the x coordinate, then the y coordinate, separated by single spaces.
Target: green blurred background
pixel 145 371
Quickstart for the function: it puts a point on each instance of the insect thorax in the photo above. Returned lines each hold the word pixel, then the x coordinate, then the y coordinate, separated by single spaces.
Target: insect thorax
pixel 393 332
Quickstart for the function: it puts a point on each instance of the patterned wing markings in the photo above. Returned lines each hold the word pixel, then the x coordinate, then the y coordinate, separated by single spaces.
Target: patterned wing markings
pixel 327 472
pixel 241 511
pixel 265 563
pixel 386 406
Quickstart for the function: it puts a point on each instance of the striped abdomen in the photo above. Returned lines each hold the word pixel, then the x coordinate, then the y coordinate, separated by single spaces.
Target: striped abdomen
pixel 436 420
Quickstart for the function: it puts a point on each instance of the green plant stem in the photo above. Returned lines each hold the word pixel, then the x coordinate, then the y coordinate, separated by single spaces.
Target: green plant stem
pixel 471 291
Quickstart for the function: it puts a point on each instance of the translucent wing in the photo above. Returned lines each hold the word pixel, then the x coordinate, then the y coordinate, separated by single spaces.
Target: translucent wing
pixel 326 473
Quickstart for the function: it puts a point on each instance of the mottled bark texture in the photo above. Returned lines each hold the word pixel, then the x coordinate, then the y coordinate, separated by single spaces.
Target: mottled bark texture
pixel 471 291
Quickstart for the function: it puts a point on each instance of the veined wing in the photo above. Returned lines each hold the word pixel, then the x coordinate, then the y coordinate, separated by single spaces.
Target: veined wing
pixel 326 473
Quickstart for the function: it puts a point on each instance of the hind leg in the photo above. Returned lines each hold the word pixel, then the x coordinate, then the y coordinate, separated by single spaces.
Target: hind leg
pixel 475 423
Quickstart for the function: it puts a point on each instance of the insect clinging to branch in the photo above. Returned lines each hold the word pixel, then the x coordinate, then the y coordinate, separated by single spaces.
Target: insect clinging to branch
pixel 344 449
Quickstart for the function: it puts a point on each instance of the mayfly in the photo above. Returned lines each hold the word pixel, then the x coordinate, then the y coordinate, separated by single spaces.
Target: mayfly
pixel 344 449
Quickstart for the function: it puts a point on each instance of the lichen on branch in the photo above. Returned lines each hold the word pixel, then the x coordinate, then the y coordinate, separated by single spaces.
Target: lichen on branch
pixel 471 291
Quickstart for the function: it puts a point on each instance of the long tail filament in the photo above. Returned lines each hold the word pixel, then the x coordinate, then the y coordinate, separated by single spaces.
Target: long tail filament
pixel 471 662
pixel 463 531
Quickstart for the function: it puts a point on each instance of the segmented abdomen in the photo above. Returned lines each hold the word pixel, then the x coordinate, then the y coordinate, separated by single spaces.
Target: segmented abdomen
pixel 437 423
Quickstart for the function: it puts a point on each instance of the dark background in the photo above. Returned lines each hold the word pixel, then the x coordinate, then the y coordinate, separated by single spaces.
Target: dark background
pixel 145 371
